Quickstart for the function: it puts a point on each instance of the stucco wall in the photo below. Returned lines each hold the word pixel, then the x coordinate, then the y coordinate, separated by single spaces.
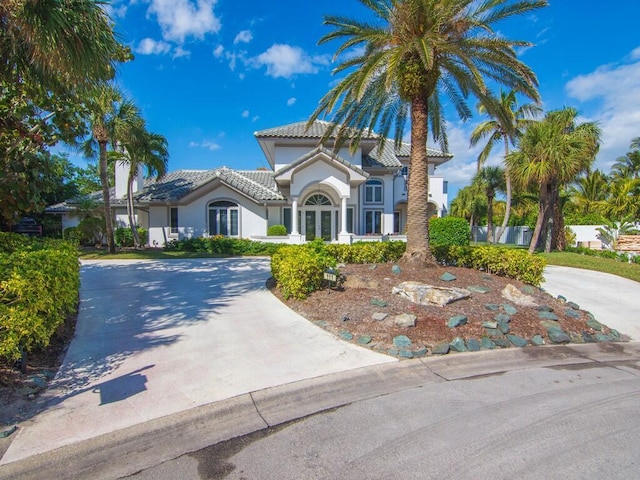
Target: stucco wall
pixel 286 155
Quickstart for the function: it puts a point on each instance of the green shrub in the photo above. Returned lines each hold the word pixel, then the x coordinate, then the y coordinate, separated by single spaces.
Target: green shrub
pixel 220 245
pixel 10 242
pixel 299 269
pixel 38 288
pixel 277 231
pixel 367 252
pixel 449 231
pixel 90 231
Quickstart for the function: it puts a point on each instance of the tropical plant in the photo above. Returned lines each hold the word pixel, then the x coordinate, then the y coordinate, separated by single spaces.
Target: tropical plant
pixel 627 166
pixel 611 231
pixel 623 199
pixel 469 204
pixel 506 126
pixel 403 62
pixel 490 179
pixel 552 152
pixel 588 191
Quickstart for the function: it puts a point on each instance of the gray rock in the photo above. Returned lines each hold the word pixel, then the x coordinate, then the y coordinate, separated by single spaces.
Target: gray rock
pixel 544 308
pixel 396 270
pixel 379 316
pixel 501 342
pixel 457 344
pixel 378 303
pixel 593 323
pixel 38 381
pixel 528 289
pixel 490 324
pixel 573 305
pixel 556 335
pixel 562 298
pixel 601 337
pixel 509 309
pixel 537 340
pixel 517 340
pixel 511 293
pixel 547 324
pixel 423 294
pixel 486 276
pixel 502 317
pixel 419 353
pixel 393 352
pixel 569 312
pixel 473 345
pixel 346 335
pixel 322 323
pixel 494 307
pixel 487 344
pixel 441 348
pixel 494 332
pixel 588 338
pixel 357 281
pixel 405 320
pixel 615 334
pixel 401 341
pixel 406 353
pixel 447 277
pixel 478 289
pixel 503 325
pixel 590 316
pixel 457 321
pixel 547 315
pixel 364 340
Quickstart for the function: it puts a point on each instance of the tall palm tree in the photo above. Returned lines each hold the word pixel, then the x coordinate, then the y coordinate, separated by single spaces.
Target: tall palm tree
pixel 148 150
pixel 111 120
pixel 588 191
pixel 504 127
pixel 411 54
pixel 468 204
pixel 491 180
pixel 623 200
pixel 627 166
pixel 552 152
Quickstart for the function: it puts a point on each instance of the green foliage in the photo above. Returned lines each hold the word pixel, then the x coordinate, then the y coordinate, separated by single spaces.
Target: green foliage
pixel 299 269
pixel 449 231
pixel 39 284
pixel 223 246
pixel 10 242
pixel 276 231
pixel 610 254
pixel 367 252
pixel 569 236
pixel 124 236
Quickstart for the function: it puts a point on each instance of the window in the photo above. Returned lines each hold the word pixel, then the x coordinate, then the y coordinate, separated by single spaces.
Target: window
pixel 404 171
pixel 286 218
pixel 350 219
pixel 173 220
pixel 396 222
pixel 373 191
pixel 223 219
pixel 373 222
pixel 318 199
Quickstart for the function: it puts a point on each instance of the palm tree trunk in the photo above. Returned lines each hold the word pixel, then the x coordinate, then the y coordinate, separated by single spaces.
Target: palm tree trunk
pixel 543 208
pixel 507 179
pixel 557 225
pixel 490 238
pixel 418 197
pixel 104 179
pixel 130 208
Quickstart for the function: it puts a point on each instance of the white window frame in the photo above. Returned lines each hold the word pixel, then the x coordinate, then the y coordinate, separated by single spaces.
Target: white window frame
pixel 228 207
pixel 376 213
pixel 373 189
pixel 174 230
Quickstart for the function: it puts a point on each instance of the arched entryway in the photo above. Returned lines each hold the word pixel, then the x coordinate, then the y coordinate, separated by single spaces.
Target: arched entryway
pixel 319 217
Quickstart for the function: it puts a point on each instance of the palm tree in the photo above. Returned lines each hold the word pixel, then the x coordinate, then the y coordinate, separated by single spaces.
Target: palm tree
pixel 504 127
pixel 414 52
pixel 143 149
pixel 627 166
pixel 111 120
pixel 491 180
pixel 552 153
pixel 588 191
pixel 623 200
pixel 468 204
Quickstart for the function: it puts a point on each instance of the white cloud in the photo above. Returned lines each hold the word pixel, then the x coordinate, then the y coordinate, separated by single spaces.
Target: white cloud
pixel 116 9
pixel 218 51
pixel 179 19
pixel 255 119
pixel 244 36
pixel 149 46
pixel 285 61
pixel 291 101
pixel 245 114
pixel 611 95
pixel 181 52
pixel 208 144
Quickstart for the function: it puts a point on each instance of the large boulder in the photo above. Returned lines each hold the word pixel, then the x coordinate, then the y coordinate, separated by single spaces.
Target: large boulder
pixel 511 293
pixel 424 294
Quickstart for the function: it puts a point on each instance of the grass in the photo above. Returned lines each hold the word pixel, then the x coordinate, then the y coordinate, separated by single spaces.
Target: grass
pixel 605 265
pixel 148 254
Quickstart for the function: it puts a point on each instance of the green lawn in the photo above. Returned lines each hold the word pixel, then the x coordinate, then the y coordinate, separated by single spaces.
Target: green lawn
pixel 567 259
pixel 148 254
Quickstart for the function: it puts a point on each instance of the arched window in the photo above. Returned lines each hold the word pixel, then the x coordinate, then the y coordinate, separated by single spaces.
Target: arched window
pixel 373 191
pixel 223 218
pixel 318 199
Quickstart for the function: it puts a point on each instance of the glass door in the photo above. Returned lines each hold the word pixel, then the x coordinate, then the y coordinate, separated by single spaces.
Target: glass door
pixel 310 224
pixel 325 225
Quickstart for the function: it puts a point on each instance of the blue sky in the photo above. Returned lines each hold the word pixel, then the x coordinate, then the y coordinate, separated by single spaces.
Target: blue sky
pixel 209 73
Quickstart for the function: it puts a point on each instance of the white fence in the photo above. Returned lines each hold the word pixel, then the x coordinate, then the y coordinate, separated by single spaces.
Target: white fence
pixel 585 234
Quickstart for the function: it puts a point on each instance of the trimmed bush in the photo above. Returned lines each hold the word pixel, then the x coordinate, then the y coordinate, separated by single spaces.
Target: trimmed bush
pixel 367 252
pixel 299 269
pixel 10 242
pixel 449 231
pixel 277 231
pixel 124 236
pixel 220 245
pixel 39 285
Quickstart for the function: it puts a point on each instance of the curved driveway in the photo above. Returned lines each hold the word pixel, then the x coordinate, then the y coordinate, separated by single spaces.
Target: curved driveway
pixel 158 337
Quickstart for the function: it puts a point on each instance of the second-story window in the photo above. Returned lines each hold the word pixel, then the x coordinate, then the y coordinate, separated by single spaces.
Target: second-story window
pixel 373 191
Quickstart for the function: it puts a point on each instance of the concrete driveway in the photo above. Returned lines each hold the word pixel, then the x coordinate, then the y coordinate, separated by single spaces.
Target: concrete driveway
pixel 159 337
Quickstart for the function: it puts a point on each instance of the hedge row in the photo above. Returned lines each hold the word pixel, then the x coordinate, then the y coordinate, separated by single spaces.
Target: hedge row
pixel 39 282
pixel 610 254
pixel 367 252
pixel 223 246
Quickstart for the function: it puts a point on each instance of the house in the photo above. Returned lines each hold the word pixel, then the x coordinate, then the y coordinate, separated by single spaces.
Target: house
pixel 310 189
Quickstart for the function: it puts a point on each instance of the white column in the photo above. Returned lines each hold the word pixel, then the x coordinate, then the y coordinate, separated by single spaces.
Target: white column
pixel 294 217
pixel 343 212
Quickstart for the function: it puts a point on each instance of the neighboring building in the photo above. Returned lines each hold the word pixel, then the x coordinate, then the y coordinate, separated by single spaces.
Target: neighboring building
pixel 311 190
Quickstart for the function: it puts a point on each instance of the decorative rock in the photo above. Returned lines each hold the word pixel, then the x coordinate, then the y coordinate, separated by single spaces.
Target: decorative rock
pixel 487 344
pixel 447 277
pixel 494 307
pixel 588 338
pixel 501 342
pixel 494 332
pixel 457 321
pixel 593 323
pixel 557 336
pixel 590 316
pixel 401 341
pixel 573 305
pixel 357 281
pixel 615 334
pixel 441 348
pixel 517 340
pixel 430 295
pixel 514 295
pixel 406 353
pixel 576 337
pixel 601 337
pixel 364 340
pixel 544 308
pixel 537 340
pixel 396 270
pixel 473 345
pixel 503 325
pixel 502 317
pixel 478 289
pixel 509 309
pixel 346 335
pixel 37 381
pixel 322 323
pixel 490 324
pixel 528 289
pixel 393 352
pixel 569 312
pixel 379 316
pixel 486 276
pixel 405 320
pixel 457 344
pixel 547 315
pixel 562 298
pixel 378 303
pixel 419 353
pixel 549 324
